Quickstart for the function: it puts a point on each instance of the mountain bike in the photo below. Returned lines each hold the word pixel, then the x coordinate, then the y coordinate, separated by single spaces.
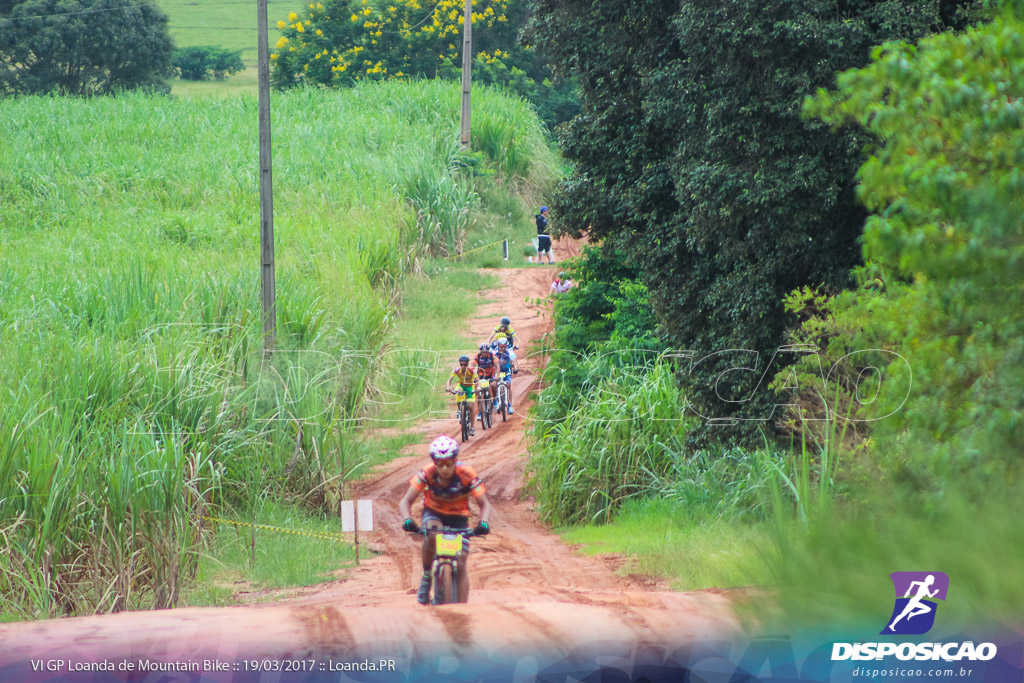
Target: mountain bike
pixel 448 543
pixel 485 403
pixel 464 419
pixel 504 387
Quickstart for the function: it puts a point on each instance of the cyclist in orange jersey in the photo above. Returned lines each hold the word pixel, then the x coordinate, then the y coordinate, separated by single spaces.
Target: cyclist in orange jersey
pixel 446 485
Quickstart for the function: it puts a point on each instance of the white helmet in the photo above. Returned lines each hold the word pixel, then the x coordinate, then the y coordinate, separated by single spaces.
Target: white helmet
pixel 443 448
pixel 502 341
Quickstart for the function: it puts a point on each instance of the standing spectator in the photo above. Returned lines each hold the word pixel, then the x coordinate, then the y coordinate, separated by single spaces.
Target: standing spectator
pixel 543 240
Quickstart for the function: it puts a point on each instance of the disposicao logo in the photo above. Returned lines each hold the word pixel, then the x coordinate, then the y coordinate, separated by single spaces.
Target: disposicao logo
pixel 914 612
pixel 913 615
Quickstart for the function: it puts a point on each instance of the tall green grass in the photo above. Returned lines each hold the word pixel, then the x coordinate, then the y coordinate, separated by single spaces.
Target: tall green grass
pixel 135 394
pixel 627 433
pixel 612 461
pixel 834 545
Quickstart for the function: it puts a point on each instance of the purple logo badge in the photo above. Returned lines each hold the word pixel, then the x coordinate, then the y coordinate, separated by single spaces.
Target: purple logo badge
pixel 916 593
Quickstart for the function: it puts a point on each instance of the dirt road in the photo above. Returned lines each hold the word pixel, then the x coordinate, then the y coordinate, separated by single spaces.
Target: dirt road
pixel 531 594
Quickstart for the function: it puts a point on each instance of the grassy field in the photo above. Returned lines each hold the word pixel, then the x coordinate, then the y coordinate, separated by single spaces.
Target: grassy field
pixel 138 400
pixel 243 83
pixel 229 24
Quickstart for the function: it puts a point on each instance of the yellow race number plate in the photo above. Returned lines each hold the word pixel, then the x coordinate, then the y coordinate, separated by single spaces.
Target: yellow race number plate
pixel 448 545
pixel 484 384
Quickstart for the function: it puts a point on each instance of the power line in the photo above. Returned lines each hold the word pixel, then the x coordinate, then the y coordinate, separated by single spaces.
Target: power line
pixel 153 4
pixel 423 21
pixel 84 11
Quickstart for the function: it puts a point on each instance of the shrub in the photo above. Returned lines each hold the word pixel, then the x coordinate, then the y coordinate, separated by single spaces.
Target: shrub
pixel 205 62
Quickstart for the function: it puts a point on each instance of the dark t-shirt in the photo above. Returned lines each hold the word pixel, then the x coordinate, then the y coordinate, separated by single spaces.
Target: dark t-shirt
pixel 485 360
pixel 542 224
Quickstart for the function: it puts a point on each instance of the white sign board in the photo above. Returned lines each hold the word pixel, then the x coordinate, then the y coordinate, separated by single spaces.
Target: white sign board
pixel 348 515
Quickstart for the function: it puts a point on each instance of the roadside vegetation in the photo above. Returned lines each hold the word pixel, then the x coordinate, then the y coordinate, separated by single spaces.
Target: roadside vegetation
pixel 137 401
pixel 886 435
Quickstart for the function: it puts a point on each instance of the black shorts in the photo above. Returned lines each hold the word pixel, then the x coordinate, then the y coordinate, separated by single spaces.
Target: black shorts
pixel 543 243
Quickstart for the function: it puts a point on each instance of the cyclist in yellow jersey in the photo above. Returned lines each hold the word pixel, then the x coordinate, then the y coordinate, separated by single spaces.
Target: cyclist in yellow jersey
pixel 467 380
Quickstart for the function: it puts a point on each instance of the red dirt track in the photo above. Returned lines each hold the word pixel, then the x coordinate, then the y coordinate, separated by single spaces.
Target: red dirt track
pixel 527 587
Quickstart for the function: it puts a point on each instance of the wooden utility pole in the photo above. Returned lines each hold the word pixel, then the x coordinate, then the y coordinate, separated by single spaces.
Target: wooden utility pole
pixel 267 284
pixel 467 65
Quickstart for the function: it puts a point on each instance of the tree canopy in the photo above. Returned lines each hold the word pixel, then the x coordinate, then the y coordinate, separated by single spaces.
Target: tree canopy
pixel 692 153
pixel 83 47
pixel 944 247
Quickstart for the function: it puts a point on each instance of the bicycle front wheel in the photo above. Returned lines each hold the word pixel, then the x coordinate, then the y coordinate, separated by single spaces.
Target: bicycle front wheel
pixel 464 421
pixel 444 584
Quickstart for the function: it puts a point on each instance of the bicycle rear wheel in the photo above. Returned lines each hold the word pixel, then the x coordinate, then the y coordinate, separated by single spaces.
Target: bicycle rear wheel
pixel 444 585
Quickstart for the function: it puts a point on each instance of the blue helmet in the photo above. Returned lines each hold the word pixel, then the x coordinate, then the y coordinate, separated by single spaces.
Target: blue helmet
pixel 543 209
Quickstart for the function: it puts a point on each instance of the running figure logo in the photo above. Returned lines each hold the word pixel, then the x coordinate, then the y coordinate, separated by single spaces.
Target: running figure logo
pixel 914 612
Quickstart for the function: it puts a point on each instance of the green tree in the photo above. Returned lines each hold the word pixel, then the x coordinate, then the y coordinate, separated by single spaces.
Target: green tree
pixel 83 47
pixel 944 250
pixel 202 62
pixel 691 147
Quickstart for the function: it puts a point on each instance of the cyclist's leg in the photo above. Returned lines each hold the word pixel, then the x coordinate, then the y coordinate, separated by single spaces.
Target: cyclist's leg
pixel 471 404
pixel 431 520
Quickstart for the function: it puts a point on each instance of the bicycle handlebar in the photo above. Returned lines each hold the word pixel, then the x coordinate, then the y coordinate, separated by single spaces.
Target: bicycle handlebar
pixel 444 530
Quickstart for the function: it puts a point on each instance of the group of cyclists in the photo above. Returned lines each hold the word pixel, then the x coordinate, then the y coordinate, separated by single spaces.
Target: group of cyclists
pixel 446 483
pixel 496 355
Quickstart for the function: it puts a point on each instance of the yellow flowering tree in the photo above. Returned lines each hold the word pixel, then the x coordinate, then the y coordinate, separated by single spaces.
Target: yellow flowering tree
pixel 343 41
pixel 340 42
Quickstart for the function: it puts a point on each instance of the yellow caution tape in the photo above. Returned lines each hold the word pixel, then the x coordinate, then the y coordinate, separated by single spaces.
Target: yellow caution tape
pixel 473 251
pixel 311 534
